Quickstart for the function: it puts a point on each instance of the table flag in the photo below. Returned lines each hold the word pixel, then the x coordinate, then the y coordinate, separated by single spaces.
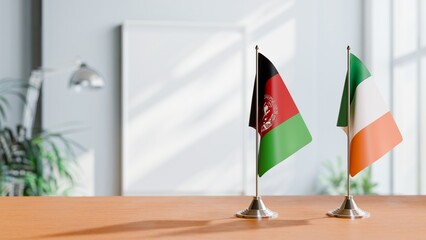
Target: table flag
pixel 373 131
pixel 281 126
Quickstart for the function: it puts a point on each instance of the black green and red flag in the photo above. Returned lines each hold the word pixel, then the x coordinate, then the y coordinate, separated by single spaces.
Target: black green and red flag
pixel 281 127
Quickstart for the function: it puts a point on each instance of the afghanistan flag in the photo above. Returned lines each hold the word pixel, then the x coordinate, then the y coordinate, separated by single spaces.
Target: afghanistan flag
pixel 373 131
pixel 281 127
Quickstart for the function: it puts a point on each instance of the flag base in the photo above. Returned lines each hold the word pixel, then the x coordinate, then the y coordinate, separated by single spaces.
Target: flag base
pixel 348 209
pixel 257 209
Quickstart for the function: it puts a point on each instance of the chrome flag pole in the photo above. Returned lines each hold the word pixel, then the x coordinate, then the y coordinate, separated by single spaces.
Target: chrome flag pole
pixel 257 208
pixel 348 209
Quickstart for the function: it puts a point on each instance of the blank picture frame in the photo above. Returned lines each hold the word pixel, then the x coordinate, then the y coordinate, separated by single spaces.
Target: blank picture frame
pixel 183 108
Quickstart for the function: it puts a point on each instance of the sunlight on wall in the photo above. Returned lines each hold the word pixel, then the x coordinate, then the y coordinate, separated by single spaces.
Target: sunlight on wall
pixel 185 104
pixel 266 13
pixel 282 40
pixel 205 52
pixel 406 115
pixel 405 33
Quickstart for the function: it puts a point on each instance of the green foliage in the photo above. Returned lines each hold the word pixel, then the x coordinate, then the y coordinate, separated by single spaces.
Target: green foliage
pixel 36 166
pixel 335 177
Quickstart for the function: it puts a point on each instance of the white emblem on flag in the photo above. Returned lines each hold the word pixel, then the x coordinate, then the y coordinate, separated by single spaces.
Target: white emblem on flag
pixel 270 112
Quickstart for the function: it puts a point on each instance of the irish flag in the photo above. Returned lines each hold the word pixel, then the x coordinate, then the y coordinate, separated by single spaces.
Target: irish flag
pixel 373 131
pixel 281 127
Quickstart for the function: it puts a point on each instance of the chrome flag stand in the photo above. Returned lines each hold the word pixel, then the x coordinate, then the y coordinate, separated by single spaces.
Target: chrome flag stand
pixel 257 208
pixel 348 209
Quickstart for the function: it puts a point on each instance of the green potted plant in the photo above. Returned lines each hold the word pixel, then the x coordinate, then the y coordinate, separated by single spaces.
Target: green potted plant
pixel 37 165
pixel 333 180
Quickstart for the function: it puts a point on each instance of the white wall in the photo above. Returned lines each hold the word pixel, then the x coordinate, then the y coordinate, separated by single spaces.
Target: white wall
pixel 378 59
pixel 15 48
pixel 305 39
pixel 394 56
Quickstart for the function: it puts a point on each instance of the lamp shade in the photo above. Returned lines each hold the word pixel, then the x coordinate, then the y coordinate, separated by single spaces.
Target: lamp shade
pixel 86 77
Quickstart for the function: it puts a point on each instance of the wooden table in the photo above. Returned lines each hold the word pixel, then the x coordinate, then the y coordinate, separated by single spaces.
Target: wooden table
pixel 207 218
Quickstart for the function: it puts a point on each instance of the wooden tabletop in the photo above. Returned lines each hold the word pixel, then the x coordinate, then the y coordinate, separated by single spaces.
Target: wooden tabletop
pixel 301 217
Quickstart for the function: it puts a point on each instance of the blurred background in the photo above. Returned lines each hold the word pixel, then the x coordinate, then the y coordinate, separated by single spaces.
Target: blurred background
pixel 172 115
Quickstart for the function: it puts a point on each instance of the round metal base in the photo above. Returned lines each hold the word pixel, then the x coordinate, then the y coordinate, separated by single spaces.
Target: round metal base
pixel 348 209
pixel 257 209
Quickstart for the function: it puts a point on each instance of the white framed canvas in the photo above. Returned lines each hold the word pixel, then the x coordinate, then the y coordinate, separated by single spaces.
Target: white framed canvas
pixel 183 112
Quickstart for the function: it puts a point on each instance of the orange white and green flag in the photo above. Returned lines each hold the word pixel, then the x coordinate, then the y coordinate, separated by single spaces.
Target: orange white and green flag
pixel 373 131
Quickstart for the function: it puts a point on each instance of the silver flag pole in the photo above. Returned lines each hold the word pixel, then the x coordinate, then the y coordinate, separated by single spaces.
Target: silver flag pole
pixel 257 121
pixel 257 208
pixel 348 209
